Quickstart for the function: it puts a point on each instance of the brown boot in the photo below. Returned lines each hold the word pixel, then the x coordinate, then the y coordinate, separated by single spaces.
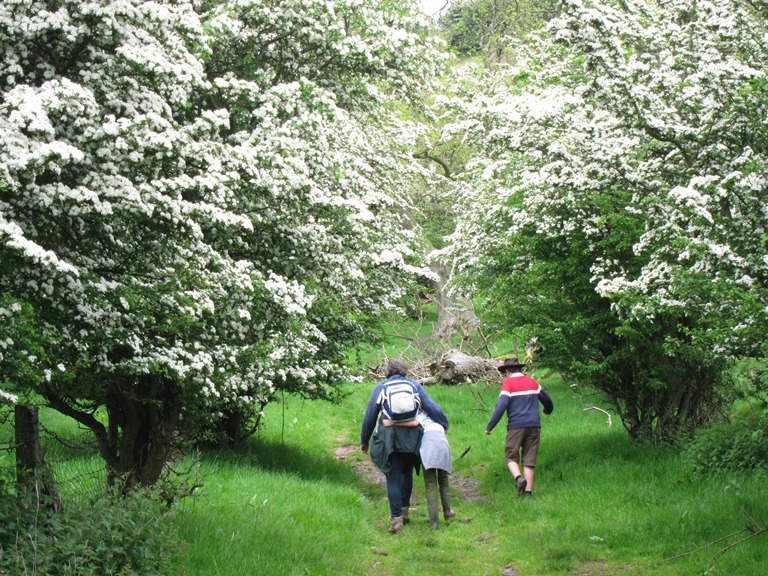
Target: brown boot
pixel 395 525
pixel 406 517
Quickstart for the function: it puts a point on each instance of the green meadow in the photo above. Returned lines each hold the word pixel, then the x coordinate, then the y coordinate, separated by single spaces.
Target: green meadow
pixel 300 498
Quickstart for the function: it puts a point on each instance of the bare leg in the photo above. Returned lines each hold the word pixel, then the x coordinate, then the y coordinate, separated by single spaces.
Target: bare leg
pixel 528 473
pixel 522 481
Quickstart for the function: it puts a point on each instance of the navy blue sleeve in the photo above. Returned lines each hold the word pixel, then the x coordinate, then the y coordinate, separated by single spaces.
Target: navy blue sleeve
pixel 431 408
pixel 498 412
pixel 546 401
pixel 371 416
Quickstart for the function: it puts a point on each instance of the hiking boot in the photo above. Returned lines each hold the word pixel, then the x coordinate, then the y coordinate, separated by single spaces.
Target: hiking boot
pixel 406 517
pixel 395 525
pixel 521 485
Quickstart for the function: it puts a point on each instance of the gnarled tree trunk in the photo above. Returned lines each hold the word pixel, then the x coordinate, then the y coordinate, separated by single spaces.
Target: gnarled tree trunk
pixel 139 438
pixel 143 421
pixel 455 314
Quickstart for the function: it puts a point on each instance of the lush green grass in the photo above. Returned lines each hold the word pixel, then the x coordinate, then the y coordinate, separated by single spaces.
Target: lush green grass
pixel 285 504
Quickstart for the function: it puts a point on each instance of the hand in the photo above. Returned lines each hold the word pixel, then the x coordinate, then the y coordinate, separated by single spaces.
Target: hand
pixel 364 449
pixel 487 432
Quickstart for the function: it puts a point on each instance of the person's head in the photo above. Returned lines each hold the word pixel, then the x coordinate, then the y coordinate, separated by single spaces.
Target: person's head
pixel 397 367
pixel 510 366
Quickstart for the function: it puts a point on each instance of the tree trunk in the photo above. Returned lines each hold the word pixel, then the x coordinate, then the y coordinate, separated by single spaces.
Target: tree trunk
pixel 455 314
pixel 456 366
pixel 136 444
pixel 31 471
pixel 142 427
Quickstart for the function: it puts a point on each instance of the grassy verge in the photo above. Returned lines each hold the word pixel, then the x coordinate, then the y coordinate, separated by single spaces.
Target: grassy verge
pixel 286 504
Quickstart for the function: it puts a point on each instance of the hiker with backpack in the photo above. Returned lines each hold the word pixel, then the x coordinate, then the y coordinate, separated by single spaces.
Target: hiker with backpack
pixel 437 462
pixel 395 449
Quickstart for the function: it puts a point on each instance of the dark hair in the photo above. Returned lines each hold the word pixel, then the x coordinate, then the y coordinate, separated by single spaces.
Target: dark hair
pixel 396 367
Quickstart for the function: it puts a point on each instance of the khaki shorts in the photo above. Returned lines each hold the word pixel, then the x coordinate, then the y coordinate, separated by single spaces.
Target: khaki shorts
pixel 525 438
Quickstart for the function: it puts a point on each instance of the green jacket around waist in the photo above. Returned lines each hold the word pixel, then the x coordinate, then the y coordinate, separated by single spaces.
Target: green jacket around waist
pixel 388 440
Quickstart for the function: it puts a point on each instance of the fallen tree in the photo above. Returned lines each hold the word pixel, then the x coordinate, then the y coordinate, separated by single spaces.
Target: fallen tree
pixel 455 367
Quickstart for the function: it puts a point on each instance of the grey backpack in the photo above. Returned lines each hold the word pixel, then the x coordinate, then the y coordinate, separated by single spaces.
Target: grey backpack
pixel 400 400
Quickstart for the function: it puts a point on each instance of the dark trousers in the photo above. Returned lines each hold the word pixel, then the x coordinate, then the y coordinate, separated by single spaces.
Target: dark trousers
pixel 400 482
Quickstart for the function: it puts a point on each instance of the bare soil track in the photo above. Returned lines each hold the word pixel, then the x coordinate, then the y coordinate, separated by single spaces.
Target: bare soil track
pixel 466 487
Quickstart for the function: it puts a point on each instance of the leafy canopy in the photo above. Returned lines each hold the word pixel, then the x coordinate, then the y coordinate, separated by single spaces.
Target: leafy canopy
pixel 199 201
pixel 615 209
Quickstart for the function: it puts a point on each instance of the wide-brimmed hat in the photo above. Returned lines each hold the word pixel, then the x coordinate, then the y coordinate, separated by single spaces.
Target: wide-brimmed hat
pixel 510 363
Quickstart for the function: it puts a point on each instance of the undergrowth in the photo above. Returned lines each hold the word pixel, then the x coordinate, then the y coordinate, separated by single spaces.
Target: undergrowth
pixel 740 445
pixel 129 536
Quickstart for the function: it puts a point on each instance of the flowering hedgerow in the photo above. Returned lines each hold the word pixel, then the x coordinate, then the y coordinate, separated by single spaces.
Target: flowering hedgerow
pixel 200 205
pixel 616 203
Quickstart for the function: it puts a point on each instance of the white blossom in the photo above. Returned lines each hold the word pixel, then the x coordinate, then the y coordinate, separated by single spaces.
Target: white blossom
pixel 202 219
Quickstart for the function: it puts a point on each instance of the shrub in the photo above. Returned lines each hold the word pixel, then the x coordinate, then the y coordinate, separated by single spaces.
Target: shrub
pixel 129 536
pixel 726 448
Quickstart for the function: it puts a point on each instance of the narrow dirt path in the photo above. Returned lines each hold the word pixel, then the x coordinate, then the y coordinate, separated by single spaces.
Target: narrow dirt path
pixel 466 487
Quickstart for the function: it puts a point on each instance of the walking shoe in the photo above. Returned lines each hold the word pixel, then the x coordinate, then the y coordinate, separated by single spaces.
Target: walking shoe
pixel 521 485
pixel 395 525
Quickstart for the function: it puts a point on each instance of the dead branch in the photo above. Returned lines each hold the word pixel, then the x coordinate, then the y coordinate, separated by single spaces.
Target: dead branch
pixel 734 544
pixel 754 527
pixel 610 422
pixel 482 404
pixel 485 346
pixel 700 548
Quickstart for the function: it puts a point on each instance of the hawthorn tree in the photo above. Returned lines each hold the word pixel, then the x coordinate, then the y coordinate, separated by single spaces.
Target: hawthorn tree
pixel 617 209
pixel 199 205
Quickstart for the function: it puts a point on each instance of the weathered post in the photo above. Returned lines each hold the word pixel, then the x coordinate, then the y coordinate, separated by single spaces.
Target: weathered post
pixel 31 472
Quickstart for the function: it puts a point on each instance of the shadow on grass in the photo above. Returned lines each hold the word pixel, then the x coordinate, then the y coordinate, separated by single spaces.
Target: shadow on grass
pixel 289 459
pixel 612 455
pixel 595 445
pixel 613 447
